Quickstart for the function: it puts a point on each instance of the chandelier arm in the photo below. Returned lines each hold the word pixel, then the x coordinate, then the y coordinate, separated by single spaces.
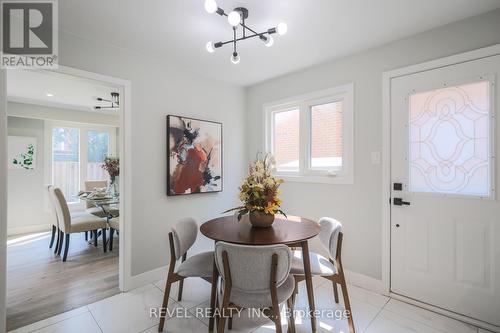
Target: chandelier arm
pixel 220 44
pixel 234 40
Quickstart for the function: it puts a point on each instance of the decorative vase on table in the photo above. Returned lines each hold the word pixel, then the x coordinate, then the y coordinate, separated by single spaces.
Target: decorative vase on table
pixel 259 193
pixel 112 166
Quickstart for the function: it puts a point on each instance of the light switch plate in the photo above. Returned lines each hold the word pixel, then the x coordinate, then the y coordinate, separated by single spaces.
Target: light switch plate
pixel 376 159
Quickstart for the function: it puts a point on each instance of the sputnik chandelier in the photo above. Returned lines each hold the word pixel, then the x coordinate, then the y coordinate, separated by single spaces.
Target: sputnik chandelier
pixel 237 18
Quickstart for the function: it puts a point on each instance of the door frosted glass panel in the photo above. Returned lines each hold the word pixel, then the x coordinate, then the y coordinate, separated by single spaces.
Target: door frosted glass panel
pixel 449 133
pixel 97 150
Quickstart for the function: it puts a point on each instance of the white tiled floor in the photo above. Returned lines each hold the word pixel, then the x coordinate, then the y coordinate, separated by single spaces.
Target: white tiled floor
pixel 129 312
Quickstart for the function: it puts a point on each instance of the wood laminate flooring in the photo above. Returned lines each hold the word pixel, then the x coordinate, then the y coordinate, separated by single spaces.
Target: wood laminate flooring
pixel 40 285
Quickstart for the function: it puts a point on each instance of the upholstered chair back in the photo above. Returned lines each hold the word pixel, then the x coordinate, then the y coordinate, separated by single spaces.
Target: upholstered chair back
pixel 329 234
pixel 184 234
pixel 91 185
pixel 50 190
pixel 62 209
pixel 250 266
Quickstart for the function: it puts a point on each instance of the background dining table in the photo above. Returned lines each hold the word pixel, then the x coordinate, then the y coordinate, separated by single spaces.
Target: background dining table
pixel 293 231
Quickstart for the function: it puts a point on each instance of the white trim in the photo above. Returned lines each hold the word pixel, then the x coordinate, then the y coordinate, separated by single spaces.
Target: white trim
pixel 365 282
pixel 28 229
pixel 125 136
pixel 148 277
pixel 303 103
pixel 444 312
pixel 386 138
pixel 3 198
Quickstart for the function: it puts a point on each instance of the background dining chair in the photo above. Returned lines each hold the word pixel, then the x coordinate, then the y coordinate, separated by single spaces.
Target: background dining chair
pixel 255 277
pixel 91 185
pixel 114 224
pixel 73 223
pixel 331 268
pixel 55 226
pixel 181 239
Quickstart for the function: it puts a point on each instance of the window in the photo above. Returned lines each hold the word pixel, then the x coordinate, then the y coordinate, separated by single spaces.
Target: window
pixel 311 136
pixel 77 154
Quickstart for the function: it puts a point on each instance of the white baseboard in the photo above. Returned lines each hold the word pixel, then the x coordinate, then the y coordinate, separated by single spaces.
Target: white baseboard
pixel 148 277
pixel 366 282
pixel 28 229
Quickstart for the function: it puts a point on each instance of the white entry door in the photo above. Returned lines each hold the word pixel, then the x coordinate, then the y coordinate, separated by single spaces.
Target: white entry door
pixel 445 212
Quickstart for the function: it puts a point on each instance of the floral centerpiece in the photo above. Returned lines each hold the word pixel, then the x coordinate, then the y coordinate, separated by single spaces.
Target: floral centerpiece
pixel 112 166
pixel 259 193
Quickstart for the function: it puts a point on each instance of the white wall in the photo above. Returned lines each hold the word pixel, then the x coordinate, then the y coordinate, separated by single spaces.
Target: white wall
pixel 27 210
pixel 3 198
pixel 358 206
pixel 160 88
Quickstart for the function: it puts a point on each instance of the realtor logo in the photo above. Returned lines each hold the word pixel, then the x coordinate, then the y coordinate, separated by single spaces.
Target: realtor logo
pixel 29 38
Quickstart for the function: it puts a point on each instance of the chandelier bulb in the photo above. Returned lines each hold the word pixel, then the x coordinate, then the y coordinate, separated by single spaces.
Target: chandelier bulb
pixel 234 18
pixel 210 6
pixel 235 58
pixel 270 41
pixel 282 28
pixel 210 47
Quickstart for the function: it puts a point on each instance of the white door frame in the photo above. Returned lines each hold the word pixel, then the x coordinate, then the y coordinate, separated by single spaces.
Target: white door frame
pixel 125 245
pixel 386 166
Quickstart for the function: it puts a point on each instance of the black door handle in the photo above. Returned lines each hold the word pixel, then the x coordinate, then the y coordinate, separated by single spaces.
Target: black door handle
pixel 400 202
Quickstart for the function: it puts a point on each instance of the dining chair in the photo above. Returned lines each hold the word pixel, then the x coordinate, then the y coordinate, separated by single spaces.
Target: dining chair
pixel 255 277
pixel 55 226
pixel 114 224
pixel 91 185
pixel 331 269
pixel 181 239
pixel 73 223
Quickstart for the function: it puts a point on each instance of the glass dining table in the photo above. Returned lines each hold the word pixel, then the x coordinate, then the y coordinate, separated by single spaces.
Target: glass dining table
pixel 104 203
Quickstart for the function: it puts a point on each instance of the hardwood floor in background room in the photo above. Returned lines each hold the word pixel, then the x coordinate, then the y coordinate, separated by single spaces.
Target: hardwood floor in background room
pixel 40 285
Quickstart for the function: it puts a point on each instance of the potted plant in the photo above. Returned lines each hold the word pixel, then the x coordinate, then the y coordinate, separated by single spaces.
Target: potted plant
pixel 259 193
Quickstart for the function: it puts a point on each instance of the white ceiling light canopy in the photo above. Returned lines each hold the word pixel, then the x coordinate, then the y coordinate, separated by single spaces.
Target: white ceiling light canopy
pixel 236 18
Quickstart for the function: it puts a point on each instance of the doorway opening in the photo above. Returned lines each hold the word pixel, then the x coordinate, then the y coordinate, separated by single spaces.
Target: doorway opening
pixel 66 244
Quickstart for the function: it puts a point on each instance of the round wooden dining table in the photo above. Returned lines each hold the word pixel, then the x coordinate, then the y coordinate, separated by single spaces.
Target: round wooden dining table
pixel 293 231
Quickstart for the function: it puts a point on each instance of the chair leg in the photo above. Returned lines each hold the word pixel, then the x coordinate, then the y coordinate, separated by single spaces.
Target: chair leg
pixel 181 286
pixel 86 236
pixel 230 322
pixel 347 303
pixel 61 241
pixel 223 311
pixel 164 305
pixel 291 317
pixel 53 236
pixel 277 318
pixel 104 245
pixel 111 232
pixel 57 241
pixel 95 238
pixel 66 247
pixel 335 292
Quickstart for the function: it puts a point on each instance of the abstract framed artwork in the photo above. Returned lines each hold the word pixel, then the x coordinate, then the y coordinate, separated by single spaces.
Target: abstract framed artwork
pixel 21 152
pixel 194 156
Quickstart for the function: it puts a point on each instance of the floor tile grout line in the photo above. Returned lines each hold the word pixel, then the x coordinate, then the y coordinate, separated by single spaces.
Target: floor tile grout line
pixel 378 313
pixel 95 320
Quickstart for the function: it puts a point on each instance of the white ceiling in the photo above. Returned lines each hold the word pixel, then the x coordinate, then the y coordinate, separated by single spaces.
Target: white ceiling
pixel 70 92
pixel 318 30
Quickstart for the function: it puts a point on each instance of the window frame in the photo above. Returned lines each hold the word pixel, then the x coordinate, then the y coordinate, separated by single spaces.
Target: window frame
pixel 304 103
pixel 83 130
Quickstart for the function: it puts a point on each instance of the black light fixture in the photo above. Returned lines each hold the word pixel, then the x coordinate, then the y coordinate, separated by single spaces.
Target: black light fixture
pixel 237 18
pixel 114 100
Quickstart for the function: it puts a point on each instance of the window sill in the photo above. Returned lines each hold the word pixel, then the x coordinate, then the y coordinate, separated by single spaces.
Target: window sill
pixel 317 179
